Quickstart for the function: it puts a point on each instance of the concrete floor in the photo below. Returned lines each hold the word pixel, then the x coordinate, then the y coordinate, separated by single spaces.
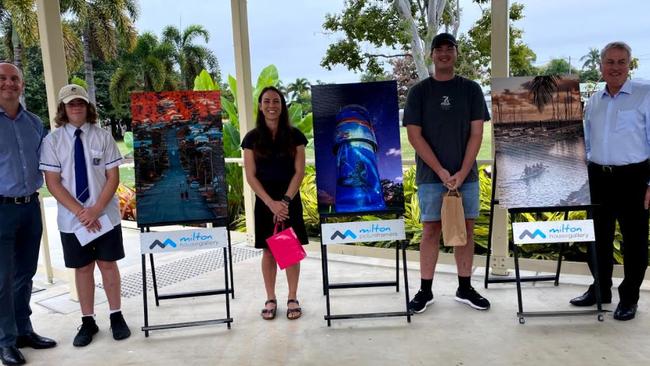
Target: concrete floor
pixel 448 333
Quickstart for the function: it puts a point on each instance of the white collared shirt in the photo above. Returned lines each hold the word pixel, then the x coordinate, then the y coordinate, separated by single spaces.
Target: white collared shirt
pixel 101 153
pixel 617 128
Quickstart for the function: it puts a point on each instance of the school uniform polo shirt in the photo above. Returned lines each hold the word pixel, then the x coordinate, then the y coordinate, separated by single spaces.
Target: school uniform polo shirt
pixel 101 154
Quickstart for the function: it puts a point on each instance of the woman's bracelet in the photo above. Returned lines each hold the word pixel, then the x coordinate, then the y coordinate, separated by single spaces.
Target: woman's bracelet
pixel 286 199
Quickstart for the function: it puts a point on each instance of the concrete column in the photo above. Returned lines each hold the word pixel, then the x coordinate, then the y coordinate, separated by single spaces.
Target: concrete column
pixel 55 74
pixel 500 43
pixel 500 40
pixel 245 103
pixel 51 38
pixel 45 246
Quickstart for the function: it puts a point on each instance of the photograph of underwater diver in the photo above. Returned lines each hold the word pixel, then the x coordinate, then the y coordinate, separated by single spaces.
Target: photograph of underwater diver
pixel 357 148
pixel 539 142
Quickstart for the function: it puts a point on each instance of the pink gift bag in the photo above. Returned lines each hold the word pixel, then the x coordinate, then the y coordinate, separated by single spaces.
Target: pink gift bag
pixel 285 246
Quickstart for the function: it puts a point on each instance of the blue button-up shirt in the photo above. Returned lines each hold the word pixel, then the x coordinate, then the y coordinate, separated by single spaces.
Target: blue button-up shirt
pixel 20 144
pixel 617 128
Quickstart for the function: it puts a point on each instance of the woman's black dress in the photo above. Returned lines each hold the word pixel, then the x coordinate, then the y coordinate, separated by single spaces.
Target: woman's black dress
pixel 274 173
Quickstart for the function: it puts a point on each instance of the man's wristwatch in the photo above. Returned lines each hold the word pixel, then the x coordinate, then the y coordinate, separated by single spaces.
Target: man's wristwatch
pixel 286 199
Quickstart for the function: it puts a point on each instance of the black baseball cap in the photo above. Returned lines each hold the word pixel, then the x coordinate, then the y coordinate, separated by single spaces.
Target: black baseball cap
pixel 443 38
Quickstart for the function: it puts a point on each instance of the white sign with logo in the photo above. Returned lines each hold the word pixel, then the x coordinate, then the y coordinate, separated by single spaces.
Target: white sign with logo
pixel 172 241
pixel 553 231
pixel 363 231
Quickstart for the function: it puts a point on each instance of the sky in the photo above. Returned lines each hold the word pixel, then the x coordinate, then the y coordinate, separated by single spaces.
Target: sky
pixel 289 34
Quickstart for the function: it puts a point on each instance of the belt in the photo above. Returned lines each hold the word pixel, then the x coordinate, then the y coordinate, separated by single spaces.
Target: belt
pixel 620 168
pixel 19 200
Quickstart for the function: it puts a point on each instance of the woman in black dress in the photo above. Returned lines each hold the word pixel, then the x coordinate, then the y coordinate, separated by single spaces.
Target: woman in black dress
pixel 274 160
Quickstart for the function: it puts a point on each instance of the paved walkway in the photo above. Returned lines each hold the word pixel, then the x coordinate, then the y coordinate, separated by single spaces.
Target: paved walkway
pixel 448 333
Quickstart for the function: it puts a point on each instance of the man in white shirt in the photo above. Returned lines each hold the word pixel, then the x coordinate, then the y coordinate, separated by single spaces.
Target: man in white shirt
pixel 80 161
pixel 617 139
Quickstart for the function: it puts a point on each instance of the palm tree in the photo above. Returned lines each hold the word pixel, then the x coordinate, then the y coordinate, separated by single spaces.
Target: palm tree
pixel 591 59
pixel 20 27
pixel 496 102
pixel 541 90
pixel 105 27
pixel 191 58
pixel 282 88
pixel 18 24
pixel 147 68
pixel 298 88
pixel 569 87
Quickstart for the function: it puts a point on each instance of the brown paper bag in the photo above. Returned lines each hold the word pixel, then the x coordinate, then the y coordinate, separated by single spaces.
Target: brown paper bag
pixel 454 233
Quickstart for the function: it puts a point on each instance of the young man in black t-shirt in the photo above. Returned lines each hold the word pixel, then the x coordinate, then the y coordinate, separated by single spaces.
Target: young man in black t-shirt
pixel 444 118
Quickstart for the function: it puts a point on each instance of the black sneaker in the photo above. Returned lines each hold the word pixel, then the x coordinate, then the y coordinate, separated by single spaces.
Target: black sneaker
pixel 472 298
pixel 87 330
pixel 420 301
pixel 118 327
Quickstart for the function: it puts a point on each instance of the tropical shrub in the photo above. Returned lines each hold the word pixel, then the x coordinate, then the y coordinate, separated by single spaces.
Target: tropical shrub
pixel 126 198
pixel 573 251
pixel 231 136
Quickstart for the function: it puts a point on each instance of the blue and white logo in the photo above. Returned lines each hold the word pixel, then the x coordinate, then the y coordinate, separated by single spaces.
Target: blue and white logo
pixel 532 235
pixel 160 242
pixel 365 231
pixel 553 231
pixel 163 245
pixel 348 234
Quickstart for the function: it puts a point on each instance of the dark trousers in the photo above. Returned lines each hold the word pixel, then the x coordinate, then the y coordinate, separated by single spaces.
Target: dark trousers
pixel 618 193
pixel 20 238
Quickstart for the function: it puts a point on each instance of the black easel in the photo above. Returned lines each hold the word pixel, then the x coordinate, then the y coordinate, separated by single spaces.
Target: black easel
pixel 518 279
pixel 327 286
pixel 228 289
pixel 506 279
pixel 512 213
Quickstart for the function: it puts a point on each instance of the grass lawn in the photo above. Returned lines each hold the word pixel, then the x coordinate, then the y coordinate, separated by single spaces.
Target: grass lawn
pixel 127 177
pixel 122 147
pixel 408 153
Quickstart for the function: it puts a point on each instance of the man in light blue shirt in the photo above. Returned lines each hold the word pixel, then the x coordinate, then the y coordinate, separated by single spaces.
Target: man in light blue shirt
pixel 21 133
pixel 617 139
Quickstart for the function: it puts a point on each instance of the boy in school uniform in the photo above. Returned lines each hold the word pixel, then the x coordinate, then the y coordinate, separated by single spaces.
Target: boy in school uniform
pixel 80 161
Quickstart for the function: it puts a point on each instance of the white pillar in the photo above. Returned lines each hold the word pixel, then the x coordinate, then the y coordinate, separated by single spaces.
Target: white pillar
pixel 55 74
pixel 55 71
pixel 500 43
pixel 245 101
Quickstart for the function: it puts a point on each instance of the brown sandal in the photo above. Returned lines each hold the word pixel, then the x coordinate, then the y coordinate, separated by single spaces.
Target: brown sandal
pixel 293 313
pixel 269 314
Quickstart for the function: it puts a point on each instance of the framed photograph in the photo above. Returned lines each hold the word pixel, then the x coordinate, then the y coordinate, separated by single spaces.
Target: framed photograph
pixel 539 142
pixel 357 148
pixel 178 152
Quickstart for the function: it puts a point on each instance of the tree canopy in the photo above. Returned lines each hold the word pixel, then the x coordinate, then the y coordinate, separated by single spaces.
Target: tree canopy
pixel 191 58
pixel 378 30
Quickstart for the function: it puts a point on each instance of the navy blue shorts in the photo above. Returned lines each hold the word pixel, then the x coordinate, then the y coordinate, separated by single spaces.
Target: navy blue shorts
pixel 108 247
